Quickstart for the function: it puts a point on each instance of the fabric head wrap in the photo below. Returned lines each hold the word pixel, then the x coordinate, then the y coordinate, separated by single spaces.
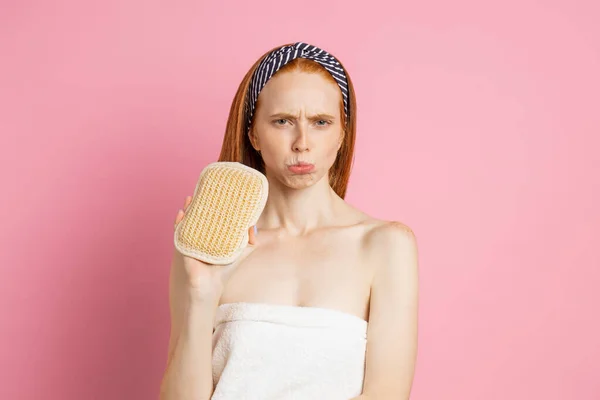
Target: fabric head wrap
pixel 283 55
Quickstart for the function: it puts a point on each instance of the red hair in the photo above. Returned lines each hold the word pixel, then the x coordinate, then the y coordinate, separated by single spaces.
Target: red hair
pixel 236 143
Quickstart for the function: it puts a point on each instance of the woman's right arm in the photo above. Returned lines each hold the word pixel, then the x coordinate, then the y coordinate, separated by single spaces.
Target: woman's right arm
pixel 188 374
pixel 194 292
pixel 195 289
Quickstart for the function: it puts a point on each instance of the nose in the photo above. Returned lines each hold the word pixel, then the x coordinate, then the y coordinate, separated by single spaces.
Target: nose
pixel 301 141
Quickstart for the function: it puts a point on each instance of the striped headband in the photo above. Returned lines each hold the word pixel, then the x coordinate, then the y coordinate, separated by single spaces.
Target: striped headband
pixel 283 55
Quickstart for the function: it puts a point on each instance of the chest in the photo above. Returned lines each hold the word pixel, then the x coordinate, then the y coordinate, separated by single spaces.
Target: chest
pixel 326 270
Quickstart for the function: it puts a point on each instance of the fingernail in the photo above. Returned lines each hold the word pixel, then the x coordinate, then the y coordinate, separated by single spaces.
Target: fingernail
pixel 255 230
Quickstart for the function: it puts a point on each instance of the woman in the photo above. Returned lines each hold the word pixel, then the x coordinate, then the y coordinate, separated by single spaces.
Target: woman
pixel 323 302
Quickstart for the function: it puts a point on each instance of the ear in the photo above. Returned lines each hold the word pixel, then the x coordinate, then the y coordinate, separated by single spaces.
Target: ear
pixel 253 139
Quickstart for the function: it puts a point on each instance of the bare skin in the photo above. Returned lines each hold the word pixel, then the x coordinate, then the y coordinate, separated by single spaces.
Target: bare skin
pixel 312 249
pixel 194 292
pixel 325 267
pixel 328 267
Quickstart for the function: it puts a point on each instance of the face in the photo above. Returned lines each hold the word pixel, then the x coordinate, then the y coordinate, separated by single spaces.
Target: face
pixel 298 121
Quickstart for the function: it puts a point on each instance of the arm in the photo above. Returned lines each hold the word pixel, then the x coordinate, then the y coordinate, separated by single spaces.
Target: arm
pixel 188 375
pixel 392 333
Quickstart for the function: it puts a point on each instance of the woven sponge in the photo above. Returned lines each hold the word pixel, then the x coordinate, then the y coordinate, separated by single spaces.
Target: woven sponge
pixel 228 200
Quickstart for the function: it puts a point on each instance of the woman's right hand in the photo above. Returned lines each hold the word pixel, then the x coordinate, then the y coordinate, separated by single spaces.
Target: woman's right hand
pixel 206 281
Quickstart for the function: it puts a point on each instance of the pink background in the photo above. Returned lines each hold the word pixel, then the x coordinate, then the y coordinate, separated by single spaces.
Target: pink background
pixel 478 127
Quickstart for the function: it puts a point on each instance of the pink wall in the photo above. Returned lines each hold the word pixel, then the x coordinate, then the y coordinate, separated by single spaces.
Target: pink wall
pixel 478 127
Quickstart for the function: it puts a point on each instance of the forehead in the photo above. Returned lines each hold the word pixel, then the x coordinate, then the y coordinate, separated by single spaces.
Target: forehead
pixel 296 90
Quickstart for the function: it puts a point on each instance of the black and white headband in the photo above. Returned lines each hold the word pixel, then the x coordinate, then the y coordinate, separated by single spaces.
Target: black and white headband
pixel 283 55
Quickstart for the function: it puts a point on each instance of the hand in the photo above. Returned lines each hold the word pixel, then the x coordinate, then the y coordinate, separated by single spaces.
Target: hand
pixel 206 281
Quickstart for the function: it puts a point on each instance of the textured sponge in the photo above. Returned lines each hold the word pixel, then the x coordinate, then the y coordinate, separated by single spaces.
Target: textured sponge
pixel 228 200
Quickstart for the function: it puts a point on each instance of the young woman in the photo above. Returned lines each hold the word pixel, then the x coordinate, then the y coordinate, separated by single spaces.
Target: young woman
pixel 323 302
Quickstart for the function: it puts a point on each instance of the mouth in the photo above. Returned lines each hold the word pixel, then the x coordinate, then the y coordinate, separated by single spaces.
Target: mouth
pixel 301 167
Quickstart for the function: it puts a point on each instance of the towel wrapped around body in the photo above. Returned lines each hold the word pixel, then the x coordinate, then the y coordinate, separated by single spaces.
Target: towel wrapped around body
pixel 279 352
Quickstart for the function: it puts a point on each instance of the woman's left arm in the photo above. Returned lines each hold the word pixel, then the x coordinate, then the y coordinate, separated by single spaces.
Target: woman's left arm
pixel 392 332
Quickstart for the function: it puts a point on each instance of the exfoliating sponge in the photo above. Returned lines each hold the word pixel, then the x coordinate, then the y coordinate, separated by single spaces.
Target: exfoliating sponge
pixel 228 200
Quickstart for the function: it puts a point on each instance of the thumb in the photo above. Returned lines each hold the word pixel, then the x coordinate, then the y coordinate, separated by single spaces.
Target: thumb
pixel 252 233
pixel 251 245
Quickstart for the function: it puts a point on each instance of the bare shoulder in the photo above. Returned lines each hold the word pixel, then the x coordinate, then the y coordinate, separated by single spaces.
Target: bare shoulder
pixel 385 244
pixel 381 234
pixel 377 235
pixel 389 244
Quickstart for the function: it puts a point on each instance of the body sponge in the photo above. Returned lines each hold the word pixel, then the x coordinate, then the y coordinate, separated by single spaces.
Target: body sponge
pixel 228 199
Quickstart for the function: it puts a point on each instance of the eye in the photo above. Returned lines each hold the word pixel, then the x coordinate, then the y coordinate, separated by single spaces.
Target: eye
pixel 280 121
pixel 323 122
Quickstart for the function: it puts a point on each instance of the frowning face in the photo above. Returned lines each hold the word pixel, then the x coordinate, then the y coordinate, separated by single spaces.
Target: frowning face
pixel 298 127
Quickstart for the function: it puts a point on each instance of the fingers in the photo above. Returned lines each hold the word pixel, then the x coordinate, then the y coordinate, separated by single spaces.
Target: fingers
pixel 181 212
pixel 178 218
pixel 187 202
pixel 252 233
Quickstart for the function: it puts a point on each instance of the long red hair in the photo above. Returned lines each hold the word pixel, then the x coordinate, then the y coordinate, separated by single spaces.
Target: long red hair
pixel 236 143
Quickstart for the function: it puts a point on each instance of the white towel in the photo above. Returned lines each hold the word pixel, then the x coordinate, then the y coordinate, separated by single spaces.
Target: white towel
pixel 277 352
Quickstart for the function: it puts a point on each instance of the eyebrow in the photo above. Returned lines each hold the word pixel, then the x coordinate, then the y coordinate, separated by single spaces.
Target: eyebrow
pixel 318 116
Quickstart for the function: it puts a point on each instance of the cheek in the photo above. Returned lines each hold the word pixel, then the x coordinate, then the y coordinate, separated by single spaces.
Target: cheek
pixel 333 153
pixel 329 152
pixel 334 142
pixel 272 141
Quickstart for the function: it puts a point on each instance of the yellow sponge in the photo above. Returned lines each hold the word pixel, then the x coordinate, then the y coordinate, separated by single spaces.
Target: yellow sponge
pixel 228 200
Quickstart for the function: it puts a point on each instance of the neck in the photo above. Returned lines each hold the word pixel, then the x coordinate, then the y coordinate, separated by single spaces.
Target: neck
pixel 299 211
